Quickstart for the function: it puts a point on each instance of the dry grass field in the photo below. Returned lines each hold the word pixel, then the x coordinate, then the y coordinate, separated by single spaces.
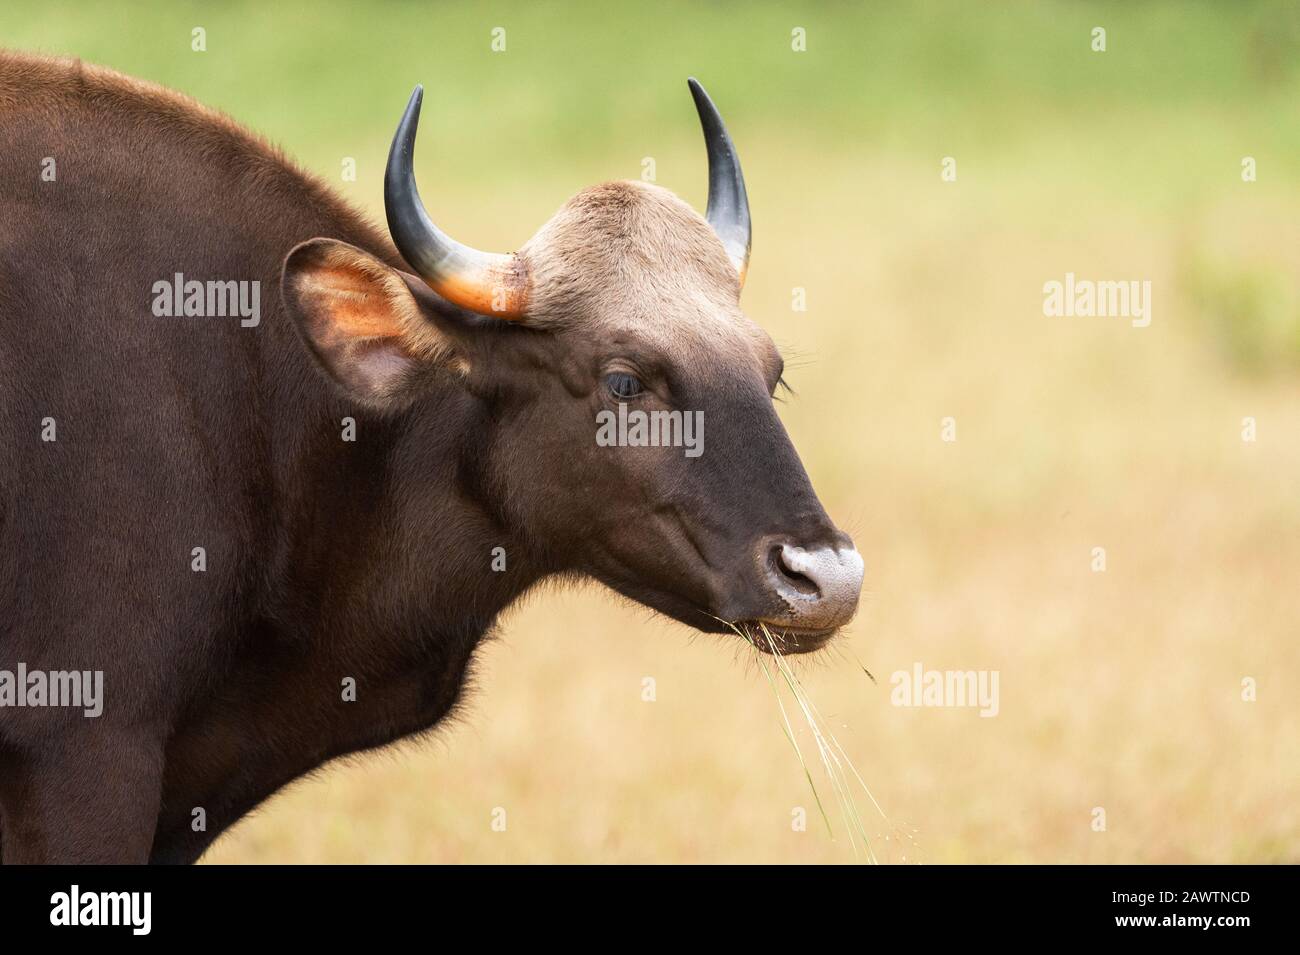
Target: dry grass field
pixel 1120 689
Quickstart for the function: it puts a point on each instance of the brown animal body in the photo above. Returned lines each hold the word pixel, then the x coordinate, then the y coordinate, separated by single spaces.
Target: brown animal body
pixel 379 562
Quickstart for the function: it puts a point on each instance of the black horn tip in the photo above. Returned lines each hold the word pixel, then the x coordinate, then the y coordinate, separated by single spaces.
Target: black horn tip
pixel 711 119
pixel 728 208
pixel 697 91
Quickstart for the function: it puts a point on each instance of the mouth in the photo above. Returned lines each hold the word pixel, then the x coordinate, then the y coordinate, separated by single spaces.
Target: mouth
pixel 785 639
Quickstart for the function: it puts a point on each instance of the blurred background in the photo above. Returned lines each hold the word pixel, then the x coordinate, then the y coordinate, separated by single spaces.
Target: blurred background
pixel 1120 689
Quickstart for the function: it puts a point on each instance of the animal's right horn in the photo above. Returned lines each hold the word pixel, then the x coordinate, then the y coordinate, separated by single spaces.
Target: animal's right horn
pixel 728 209
pixel 485 282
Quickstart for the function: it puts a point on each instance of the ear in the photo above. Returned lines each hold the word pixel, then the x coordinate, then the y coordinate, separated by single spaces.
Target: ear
pixel 359 318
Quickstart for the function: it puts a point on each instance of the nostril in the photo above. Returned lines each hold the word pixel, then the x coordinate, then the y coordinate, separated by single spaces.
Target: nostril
pixel 782 568
pixel 819 586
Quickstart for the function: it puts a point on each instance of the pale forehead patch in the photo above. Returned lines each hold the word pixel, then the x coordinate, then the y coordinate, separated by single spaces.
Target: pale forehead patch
pixel 632 257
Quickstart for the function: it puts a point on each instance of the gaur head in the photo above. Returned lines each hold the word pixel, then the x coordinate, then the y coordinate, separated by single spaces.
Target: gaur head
pixel 631 400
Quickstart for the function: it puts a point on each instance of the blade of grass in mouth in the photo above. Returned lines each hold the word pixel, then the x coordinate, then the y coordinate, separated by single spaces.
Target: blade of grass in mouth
pixel 789 734
pixel 830 762
pixel 835 761
pixel 834 758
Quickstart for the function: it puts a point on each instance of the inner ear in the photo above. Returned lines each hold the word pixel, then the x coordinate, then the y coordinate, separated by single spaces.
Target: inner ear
pixel 360 320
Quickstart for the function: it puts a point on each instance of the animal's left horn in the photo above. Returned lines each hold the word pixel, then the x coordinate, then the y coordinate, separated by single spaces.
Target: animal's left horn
pixel 728 209
pixel 485 282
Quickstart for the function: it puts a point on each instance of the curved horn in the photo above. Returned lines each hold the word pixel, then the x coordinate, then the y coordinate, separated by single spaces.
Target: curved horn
pixel 728 209
pixel 485 282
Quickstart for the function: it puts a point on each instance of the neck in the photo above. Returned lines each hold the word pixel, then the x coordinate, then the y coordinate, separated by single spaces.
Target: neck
pixel 397 534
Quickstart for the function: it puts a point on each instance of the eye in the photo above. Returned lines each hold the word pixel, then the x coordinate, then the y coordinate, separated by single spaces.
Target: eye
pixel 623 386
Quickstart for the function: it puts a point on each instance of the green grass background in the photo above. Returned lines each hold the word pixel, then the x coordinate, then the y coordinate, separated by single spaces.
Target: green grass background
pixel 1121 689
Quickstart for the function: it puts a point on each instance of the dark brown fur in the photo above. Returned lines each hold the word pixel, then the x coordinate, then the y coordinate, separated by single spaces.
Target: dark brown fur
pixel 326 559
